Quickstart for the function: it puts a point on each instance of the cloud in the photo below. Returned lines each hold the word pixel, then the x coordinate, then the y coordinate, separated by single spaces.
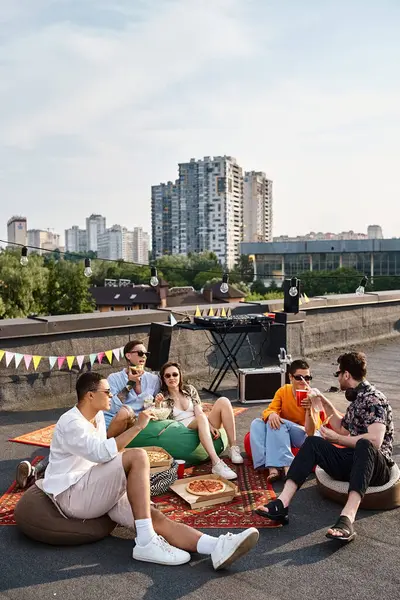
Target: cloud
pixel 101 99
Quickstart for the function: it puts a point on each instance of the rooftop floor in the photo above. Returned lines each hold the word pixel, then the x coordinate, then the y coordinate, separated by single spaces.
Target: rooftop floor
pixel 289 562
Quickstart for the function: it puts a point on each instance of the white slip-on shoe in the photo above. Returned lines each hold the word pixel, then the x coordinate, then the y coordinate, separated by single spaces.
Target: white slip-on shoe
pixel 23 473
pixel 231 546
pixel 160 552
pixel 223 470
pixel 234 455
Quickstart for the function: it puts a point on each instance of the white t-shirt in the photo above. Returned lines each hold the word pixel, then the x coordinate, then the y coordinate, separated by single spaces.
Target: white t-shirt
pixel 76 447
pixel 184 416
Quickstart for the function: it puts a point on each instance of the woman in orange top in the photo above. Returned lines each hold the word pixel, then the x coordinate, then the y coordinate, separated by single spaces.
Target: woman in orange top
pixel 284 424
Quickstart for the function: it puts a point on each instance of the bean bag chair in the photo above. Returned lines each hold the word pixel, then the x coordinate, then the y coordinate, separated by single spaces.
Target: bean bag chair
pixel 384 497
pixel 38 518
pixel 182 443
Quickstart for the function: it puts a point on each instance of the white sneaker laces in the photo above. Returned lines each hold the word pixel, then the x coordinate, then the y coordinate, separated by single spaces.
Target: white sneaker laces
pixel 162 542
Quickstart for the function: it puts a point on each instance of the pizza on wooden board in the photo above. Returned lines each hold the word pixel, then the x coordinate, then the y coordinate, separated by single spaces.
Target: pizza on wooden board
pixel 157 455
pixel 205 487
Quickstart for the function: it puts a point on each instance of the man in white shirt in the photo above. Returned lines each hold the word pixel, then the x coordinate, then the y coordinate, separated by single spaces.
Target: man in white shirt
pixel 130 387
pixel 90 475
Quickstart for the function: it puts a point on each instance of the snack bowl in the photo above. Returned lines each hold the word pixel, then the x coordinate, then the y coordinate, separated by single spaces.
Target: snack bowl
pixel 161 413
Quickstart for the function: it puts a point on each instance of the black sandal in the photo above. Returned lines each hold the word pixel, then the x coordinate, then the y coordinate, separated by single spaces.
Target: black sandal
pixel 276 512
pixel 345 526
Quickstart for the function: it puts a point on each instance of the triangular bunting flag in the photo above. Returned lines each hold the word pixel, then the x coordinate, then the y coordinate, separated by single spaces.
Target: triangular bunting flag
pixel 100 357
pixel 18 357
pixel 109 355
pixel 27 360
pixel 79 360
pixel 116 353
pixel 172 320
pixel 36 361
pixel 1 354
pixel 92 358
pixel 52 361
pixel 217 312
pixel 306 298
pixel 60 361
pixel 197 313
pixel 9 357
pixel 211 312
pixel 300 301
pixel 223 313
pixel 70 361
pixel 229 312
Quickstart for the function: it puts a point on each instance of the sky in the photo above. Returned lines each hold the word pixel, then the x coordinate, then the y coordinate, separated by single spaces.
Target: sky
pixel 100 99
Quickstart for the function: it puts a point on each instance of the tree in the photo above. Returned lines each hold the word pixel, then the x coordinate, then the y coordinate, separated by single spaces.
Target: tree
pixel 339 281
pixel 243 270
pixel 23 288
pixel 68 289
pixel 258 287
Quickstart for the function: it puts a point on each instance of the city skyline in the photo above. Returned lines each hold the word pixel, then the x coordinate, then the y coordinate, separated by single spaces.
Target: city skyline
pixel 306 92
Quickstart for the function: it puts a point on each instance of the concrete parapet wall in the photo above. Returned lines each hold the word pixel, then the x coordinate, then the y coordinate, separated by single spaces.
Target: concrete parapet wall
pixel 323 324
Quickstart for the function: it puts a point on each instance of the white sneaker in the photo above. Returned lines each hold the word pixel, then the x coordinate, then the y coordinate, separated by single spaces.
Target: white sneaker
pixel 160 552
pixel 223 470
pixel 230 547
pixel 234 455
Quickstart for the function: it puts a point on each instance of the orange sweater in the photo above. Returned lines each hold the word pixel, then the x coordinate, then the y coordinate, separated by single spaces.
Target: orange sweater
pixel 285 405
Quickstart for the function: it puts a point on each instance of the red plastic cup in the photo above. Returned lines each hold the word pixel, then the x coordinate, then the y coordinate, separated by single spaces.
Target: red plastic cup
pixel 181 468
pixel 301 395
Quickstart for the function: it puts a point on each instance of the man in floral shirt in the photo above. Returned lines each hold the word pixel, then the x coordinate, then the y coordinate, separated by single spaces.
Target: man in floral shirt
pixel 363 451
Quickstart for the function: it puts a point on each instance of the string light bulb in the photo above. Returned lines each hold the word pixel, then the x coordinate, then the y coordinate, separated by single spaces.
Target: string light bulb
pixel 360 291
pixel 88 268
pixel 154 279
pixel 224 285
pixel 293 291
pixel 24 256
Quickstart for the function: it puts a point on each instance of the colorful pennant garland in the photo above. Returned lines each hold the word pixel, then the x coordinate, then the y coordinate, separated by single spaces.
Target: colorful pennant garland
pixel 17 357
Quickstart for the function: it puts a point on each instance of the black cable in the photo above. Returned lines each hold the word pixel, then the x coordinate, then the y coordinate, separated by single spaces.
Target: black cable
pixel 122 262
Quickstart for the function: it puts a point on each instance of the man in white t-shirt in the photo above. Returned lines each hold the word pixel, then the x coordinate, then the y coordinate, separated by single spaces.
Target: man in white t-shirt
pixel 130 387
pixel 90 475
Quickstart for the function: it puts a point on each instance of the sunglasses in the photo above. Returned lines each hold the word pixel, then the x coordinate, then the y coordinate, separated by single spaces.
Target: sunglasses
pixel 141 353
pixel 301 377
pixel 108 392
pixel 337 373
pixel 168 375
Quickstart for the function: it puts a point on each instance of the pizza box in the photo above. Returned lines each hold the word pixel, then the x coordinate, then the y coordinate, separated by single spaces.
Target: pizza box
pixel 179 487
pixel 154 470
pixel 159 463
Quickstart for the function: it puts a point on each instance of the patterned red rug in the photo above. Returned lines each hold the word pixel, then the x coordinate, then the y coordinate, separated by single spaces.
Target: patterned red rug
pixel 238 514
pixel 254 490
pixel 42 437
pixel 8 501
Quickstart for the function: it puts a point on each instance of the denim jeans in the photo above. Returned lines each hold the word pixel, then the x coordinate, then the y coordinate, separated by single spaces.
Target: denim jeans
pixel 272 447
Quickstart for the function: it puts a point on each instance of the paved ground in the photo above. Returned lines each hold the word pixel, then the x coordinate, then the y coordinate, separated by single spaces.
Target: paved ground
pixel 291 562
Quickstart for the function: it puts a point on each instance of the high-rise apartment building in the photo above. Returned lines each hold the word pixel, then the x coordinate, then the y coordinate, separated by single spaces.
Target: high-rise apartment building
pixel 375 232
pixel 165 219
pixel 200 212
pixel 95 226
pixel 17 231
pixel 257 207
pixel 75 239
pixel 43 240
pixel 140 246
pixel 115 244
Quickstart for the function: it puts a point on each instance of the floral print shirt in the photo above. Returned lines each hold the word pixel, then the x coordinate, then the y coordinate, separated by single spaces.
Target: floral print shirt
pixel 371 406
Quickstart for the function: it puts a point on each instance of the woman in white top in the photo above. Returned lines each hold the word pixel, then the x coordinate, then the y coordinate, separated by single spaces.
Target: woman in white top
pixel 186 408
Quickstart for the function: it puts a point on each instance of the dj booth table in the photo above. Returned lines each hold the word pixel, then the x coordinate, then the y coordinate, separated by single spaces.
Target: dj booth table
pixel 219 330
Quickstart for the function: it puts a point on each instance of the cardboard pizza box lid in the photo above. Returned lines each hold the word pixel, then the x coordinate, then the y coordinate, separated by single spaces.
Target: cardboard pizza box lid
pixel 159 463
pixel 179 487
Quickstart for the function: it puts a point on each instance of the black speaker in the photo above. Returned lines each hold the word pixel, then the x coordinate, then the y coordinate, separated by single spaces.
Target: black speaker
pixel 159 345
pixel 291 295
